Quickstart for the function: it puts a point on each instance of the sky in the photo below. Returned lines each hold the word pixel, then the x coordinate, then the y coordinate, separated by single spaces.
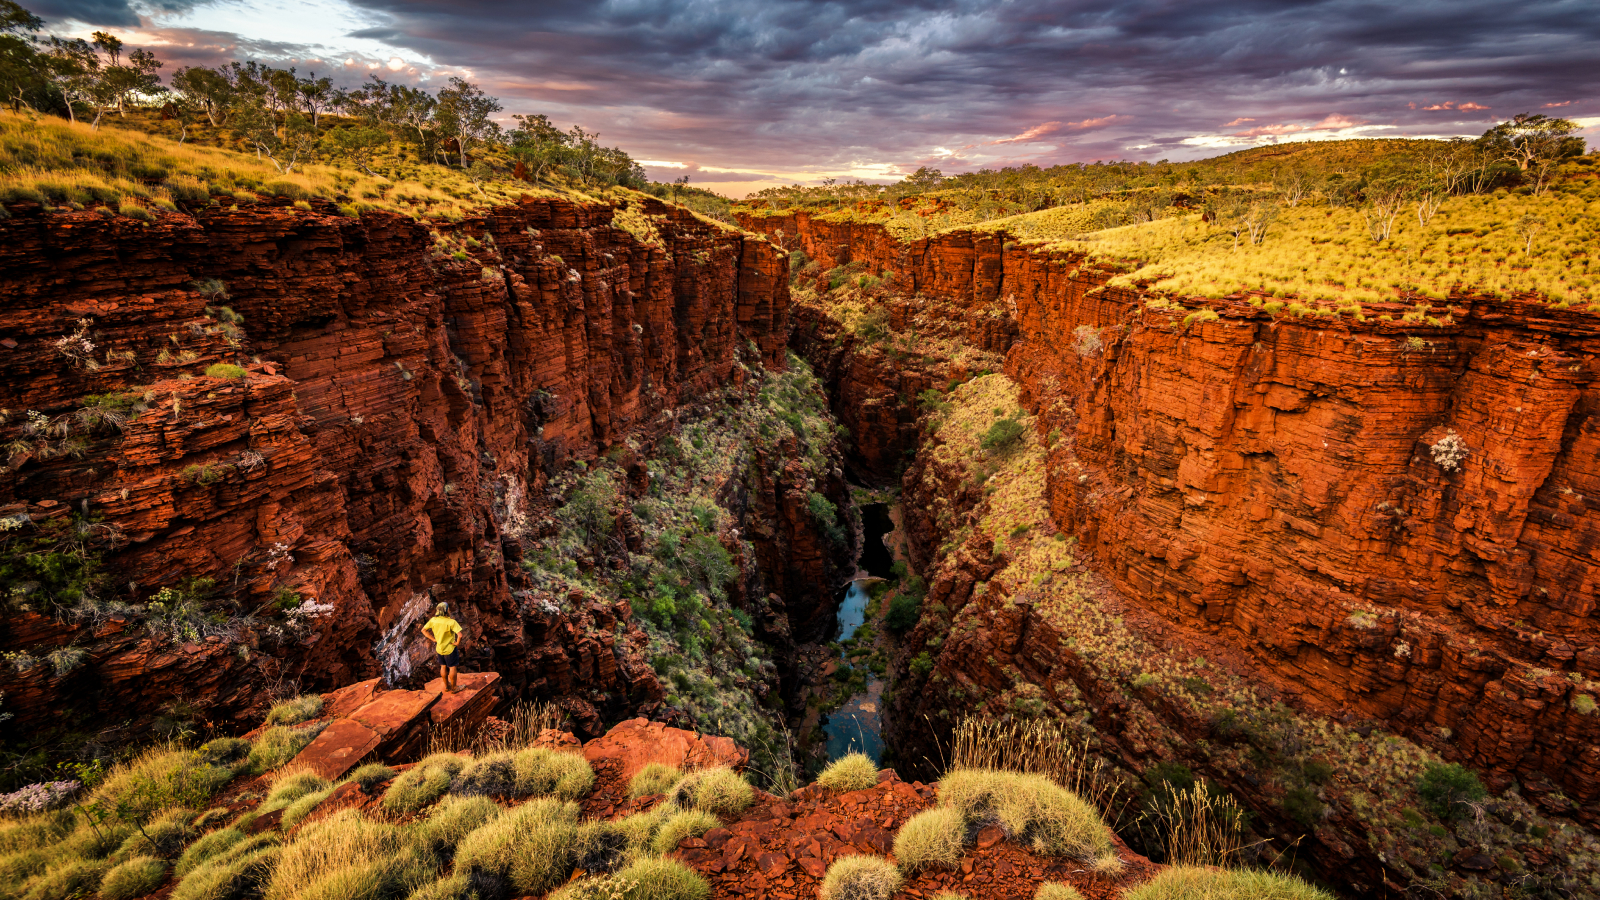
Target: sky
pixel 745 94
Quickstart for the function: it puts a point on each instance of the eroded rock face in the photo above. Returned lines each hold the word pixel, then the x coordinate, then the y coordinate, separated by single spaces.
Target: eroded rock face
pixel 407 396
pixel 1278 481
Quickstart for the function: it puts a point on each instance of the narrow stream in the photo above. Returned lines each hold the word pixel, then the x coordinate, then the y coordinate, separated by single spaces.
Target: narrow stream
pixel 858 724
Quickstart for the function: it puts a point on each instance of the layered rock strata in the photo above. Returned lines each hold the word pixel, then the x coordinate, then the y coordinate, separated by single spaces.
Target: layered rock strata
pixel 1394 520
pixel 406 396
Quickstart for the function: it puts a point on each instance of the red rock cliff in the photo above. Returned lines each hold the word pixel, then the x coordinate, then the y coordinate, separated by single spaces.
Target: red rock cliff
pixel 1273 481
pixel 407 396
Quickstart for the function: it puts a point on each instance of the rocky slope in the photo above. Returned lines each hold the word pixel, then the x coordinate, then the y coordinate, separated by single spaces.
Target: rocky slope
pixel 1270 486
pixel 407 397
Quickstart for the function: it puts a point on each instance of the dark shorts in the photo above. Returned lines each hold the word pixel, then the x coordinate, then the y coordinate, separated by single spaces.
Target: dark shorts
pixel 451 659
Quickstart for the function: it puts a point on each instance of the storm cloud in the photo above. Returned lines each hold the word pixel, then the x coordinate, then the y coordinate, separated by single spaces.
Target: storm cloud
pixel 793 89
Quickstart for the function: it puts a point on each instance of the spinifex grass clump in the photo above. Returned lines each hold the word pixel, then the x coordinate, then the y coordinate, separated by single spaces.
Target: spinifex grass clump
pixel 1032 810
pixel 423 783
pixel 134 877
pixel 372 776
pixel 1055 890
pixel 345 856
pixel 528 848
pixel 1195 883
pixel 933 837
pixel 853 772
pixel 279 744
pixel 493 776
pixel 207 847
pixel 680 824
pixel 1044 746
pixel 860 878
pixel 297 709
pixel 544 772
pixel 236 873
pixel 292 787
pixel 163 836
pixel 654 778
pixel 718 790
pixel 451 821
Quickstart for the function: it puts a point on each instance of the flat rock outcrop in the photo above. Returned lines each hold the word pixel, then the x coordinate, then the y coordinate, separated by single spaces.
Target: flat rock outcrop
pixel 366 723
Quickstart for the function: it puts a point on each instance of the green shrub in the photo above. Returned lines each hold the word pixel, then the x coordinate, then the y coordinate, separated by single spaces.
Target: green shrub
pixel 492 776
pixel 719 791
pixel 1447 788
pixel 663 879
pixel 544 772
pixel 933 837
pixel 1303 805
pixel 1055 890
pixel 207 847
pixel 228 370
pixel 278 745
pixel 151 787
pixel 904 611
pixel 451 821
pixel 852 772
pixel 135 211
pixel 372 776
pixel 1002 436
pixel 134 878
pixel 874 323
pixel 297 709
pixel 826 514
pixel 423 783
pixel 1199 883
pixel 531 845
pixel 680 824
pixel 859 878
pixel 1030 808
pixel 655 778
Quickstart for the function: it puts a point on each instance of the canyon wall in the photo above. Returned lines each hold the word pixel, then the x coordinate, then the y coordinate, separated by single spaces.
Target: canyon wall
pixel 1273 481
pixel 407 397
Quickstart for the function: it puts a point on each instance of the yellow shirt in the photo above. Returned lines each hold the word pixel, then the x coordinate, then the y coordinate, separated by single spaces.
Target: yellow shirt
pixel 445 631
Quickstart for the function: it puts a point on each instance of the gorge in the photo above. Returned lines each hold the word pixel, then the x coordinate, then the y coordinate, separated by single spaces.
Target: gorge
pixel 252 442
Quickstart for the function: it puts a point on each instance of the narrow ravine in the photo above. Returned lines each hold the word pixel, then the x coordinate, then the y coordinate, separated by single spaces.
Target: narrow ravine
pixel 857 725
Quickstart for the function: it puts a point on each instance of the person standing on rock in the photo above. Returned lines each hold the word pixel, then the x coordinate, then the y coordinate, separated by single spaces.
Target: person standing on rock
pixel 446 635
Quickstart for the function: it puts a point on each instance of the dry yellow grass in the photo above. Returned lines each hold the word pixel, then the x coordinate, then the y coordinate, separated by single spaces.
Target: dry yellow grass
pixel 61 162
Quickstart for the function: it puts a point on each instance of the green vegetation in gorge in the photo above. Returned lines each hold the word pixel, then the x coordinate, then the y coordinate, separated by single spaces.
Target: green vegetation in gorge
pixel 677 580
